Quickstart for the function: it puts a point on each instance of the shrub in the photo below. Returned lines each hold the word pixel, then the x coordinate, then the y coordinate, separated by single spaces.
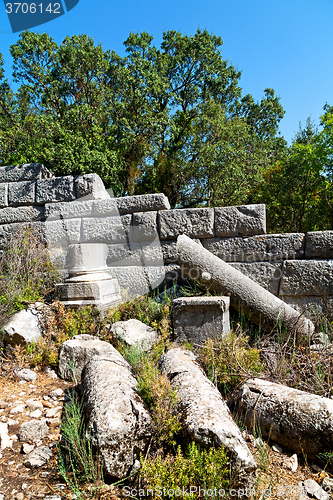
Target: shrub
pixel 207 469
pixel 229 359
pixel 26 272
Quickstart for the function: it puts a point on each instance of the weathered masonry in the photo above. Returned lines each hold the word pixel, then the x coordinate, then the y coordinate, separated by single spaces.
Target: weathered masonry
pixel 141 232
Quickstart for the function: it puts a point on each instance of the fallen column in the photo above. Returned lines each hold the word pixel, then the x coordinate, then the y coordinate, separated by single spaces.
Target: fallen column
pixel 118 421
pixel 205 415
pixel 259 305
pixel 295 419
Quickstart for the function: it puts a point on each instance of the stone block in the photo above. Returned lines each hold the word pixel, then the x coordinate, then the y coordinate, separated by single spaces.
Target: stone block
pixel 169 250
pixel 311 306
pixel 197 319
pixel 124 254
pixel 11 215
pixel 105 208
pixel 54 190
pixel 242 220
pixel 269 247
pixel 138 280
pixel 144 226
pixel 23 327
pixel 106 230
pixel 194 222
pixel 152 253
pixel 90 187
pixel 21 193
pixel 69 210
pixel 142 203
pixel 319 245
pixel 65 232
pixel 266 274
pixel 24 172
pixel 94 290
pixel 3 195
pixel 307 277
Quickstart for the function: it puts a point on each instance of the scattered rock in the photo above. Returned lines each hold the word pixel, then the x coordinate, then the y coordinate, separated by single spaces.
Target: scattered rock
pixel 50 373
pixel 3 405
pixel 52 497
pixel 133 332
pixel 38 457
pixel 56 393
pixel 33 431
pixel 27 375
pixel 17 409
pixel 291 463
pixel 27 448
pixel 313 489
pixel 327 484
pixel 5 441
pixel 36 414
pixel 53 411
pixel 22 328
pixel 277 448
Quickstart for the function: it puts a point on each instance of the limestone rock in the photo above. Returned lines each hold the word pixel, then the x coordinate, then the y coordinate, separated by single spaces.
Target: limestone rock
pixel 307 277
pixel 24 172
pixel 133 332
pixel 118 422
pixel 22 328
pixel 194 222
pixel 76 352
pixel 33 431
pixel 27 375
pixel 206 417
pixel 313 489
pixel 142 203
pixel 241 220
pixel 90 187
pixel 197 319
pixel 38 457
pixel 295 419
pixel 319 245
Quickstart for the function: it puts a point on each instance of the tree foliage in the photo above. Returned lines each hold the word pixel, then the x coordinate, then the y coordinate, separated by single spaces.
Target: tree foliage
pixel 169 119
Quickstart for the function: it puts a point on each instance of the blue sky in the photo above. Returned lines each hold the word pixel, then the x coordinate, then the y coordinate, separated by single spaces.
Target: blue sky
pixel 286 45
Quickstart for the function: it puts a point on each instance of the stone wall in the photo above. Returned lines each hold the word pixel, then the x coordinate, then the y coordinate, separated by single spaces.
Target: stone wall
pixel 141 233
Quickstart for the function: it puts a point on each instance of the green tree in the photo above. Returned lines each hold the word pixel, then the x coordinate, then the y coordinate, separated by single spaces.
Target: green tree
pixel 169 119
pixel 295 189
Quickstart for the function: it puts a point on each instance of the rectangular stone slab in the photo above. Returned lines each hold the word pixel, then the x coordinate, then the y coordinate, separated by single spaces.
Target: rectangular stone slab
pixel 69 210
pixel 242 220
pixel 25 172
pixel 142 203
pixel 55 189
pixel 269 247
pixel 21 193
pixel 307 277
pixel 319 245
pixel 3 195
pixel 106 230
pixel 197 319
pixel 194 222
pixel 21 214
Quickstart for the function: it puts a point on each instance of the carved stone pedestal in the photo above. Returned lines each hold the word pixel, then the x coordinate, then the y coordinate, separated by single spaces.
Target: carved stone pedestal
pixel 89 281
